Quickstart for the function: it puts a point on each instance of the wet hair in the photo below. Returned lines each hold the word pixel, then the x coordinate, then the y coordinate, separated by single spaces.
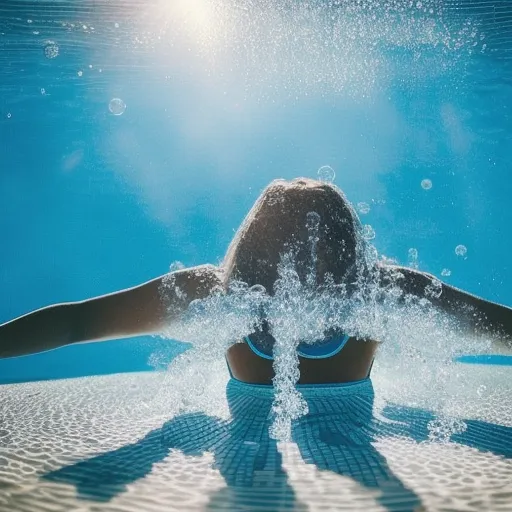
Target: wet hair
pixel 280 222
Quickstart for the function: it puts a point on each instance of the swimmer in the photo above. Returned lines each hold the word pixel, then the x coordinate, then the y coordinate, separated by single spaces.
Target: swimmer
pixel 277 221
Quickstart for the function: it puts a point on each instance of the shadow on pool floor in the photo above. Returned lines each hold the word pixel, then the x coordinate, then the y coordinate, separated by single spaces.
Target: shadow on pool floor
pixel 336 436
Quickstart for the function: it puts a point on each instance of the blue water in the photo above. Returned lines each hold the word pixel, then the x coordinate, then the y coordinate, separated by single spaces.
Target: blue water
pixel 92 202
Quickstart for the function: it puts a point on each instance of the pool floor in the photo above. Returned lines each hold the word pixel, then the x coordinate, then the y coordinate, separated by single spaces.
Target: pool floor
pixel 113 443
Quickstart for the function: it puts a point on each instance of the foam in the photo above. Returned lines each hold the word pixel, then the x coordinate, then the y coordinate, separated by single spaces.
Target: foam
pixel 419 342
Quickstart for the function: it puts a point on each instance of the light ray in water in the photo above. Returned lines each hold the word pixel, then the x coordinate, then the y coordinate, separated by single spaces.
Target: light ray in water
pixel 299 48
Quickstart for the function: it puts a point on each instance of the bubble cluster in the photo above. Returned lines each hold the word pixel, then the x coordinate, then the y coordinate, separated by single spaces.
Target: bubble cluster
pixel 295 49
pixel 312 225
pixel 417 338
pixel 413 257
pixel 426 184
pixel 51 49
pixel 446 272
pixel 326 174
pixel 434 289
pixel 440 430
pixel 363 208
pixel 481 390
pixel 461 250
pixel 368 232
pixel 117 106
pixel 176 265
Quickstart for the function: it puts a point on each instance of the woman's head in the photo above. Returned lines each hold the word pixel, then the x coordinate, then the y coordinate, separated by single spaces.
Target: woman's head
pixel 309 219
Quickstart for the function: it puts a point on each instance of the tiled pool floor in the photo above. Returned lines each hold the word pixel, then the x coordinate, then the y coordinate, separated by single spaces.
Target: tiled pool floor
pixel 112 443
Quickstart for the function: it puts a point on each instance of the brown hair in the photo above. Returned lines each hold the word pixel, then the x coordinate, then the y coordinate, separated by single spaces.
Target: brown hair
pixel 278 224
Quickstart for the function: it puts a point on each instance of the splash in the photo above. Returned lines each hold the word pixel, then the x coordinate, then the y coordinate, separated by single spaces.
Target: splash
pixel 413 257
pixel 418 341
pixel 441 429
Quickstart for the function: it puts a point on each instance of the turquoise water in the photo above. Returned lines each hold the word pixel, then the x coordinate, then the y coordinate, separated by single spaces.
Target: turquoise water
pixel 137 134
pixel 220 99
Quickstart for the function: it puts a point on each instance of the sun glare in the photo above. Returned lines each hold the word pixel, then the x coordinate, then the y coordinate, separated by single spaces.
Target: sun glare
pixel 194 19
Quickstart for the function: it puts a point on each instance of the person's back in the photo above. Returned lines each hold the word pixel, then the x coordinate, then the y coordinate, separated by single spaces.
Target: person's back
pixel 311 220
pixel 316 224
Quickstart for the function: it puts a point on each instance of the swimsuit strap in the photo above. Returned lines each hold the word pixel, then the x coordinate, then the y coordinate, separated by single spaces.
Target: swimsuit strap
pixel 320 385
pixel 255 349
pixel 305 350
pixel 342 342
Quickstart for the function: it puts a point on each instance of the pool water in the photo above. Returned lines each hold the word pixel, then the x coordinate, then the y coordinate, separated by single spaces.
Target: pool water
pixel 137 134
pixel 118 442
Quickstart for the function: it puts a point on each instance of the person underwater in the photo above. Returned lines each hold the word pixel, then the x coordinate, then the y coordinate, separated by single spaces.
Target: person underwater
pixel 279 221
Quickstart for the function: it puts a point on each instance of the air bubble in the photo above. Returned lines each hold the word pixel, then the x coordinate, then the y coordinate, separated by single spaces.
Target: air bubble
pixel 175 266
pixel 446 272
pixel 258 288
pixel 326 174
pixel 80 73
pixel 9 115
pixel 372 254
pixel 434 289
pixel 395 292
pixel 313 220
pixel 442 429
pixel 363 208
pixel 51 49
pixel 426 184
pixel 117 106
pixel 368 232
pixel 461 250
pixel 413 257
pixel 43 91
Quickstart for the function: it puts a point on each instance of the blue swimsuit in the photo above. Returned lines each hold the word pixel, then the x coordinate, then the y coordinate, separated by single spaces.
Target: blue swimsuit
pixel 321 349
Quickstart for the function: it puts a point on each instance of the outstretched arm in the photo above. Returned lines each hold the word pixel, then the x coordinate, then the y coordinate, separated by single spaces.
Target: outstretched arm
pixel 144 309
pixel 477 315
